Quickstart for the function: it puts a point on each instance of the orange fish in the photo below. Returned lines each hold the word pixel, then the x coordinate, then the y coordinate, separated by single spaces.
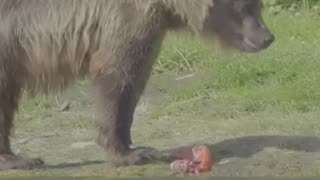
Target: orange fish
pixel 202 156
pixel 184 166
pixel 201 162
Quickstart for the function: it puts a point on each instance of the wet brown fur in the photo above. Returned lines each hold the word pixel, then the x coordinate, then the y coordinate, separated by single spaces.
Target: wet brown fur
pixel 47 45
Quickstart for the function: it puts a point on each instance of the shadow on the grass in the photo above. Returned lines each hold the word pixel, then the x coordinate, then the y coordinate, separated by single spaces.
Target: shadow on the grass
pixel 238 147
pixel 249 145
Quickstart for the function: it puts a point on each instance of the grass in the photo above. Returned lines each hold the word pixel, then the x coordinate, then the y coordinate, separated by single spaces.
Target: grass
pixel 282 77
pixel 230 95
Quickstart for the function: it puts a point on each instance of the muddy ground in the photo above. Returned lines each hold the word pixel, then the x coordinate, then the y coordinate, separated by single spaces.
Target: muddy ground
pixel 61 131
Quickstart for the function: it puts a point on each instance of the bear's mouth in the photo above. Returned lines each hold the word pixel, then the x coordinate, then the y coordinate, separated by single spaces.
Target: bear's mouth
pixel 245 44
pixel 249 45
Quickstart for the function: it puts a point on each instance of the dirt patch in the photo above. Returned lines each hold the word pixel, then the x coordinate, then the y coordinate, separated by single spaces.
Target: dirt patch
pixel 64 138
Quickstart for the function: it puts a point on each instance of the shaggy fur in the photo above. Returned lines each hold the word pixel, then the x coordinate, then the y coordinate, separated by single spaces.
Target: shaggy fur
pixel 47 45
pixel 63 41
